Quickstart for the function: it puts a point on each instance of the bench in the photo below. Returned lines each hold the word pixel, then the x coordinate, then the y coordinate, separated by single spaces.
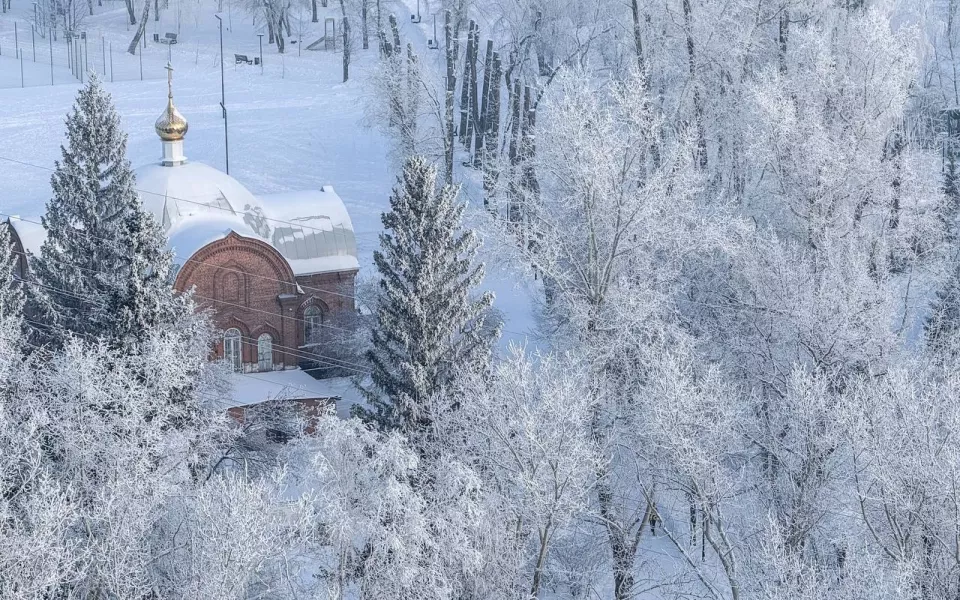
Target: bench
pixel 242 58
pixel 168 38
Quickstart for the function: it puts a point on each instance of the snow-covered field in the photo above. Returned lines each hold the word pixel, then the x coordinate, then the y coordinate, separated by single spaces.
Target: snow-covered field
pixel 293 125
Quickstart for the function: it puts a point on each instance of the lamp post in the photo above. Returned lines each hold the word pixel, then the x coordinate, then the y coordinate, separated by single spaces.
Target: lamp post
pixel 260 35
pixel 223 100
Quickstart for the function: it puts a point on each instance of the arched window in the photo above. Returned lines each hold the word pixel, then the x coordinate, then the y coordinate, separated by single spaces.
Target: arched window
pixel 231 288
pixel 312 325
pixel 265 352
pixel 232 352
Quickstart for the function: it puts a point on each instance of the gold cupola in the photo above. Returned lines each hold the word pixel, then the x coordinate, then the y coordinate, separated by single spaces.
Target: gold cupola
pixel 171 126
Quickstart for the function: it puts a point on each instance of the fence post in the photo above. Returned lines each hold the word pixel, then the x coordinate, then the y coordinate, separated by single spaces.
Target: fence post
pixel 50 35
pixel 141 64
pixel 16 39
pixel 21 70
pixel 111 62
pixel 103 51
pixel 33 41
pixel 79 61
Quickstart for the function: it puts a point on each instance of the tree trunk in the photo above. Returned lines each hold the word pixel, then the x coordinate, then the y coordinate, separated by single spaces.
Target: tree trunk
pixel 491 141
pixel 313 8
pixel 474 104
pixel 528 149
pixel 408 123
pixel 448 108
pixel 281 41
pixel 270 33
pixel 637 39
pixel 465 89
pixel 363 25
pixel 482 118
pixel 132 49
pixel 702 160
pixel 346 49
pixel 396 32
pixel 784 34
pixel 156 10
pixel 130 12
pixel 513 194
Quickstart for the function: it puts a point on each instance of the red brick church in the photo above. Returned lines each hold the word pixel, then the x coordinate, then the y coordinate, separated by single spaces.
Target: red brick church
pixel 276 269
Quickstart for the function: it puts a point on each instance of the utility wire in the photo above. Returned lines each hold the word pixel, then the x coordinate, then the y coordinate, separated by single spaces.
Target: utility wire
pixel 178 199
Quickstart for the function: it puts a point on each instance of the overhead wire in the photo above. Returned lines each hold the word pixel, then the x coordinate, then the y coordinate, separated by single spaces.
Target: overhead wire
pixel 331 362
pixel 209 206
pixel 206 397
pixel 203 204
pixel 208 264
pixel 204 263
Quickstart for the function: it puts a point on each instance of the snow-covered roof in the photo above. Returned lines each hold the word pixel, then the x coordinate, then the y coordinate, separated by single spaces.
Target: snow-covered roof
pixel 197 204
pixel 190 235
pixel 291 384
pixel 177 193
pixel 312 230
pixel 30 232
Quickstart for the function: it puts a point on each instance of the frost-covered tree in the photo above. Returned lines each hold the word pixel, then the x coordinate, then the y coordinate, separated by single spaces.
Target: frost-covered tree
pixel 11 291
pixel 429 327
pixel 608 230
pixel 104 269
pixel 36 556
pixel 526 431
pixel 379 534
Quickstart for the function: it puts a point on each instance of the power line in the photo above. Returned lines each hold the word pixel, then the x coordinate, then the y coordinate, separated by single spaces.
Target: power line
pixel 296 353
pixel 227 269
pixel 201 262
pixel 101 272
pixel 178 199
pixel 207 397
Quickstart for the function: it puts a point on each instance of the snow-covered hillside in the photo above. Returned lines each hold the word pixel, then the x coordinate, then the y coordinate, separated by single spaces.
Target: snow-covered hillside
pixel 293 125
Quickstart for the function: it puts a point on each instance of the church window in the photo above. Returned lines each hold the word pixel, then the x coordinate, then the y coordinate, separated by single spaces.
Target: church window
pixel 312 324
pixel 265 352
pixel 231 288
pixel 232 352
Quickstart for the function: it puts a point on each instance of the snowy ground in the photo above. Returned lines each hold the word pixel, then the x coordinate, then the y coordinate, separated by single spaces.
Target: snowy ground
pixel 292 125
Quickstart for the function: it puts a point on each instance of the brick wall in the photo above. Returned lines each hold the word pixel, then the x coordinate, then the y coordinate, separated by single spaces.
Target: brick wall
pixel 248 285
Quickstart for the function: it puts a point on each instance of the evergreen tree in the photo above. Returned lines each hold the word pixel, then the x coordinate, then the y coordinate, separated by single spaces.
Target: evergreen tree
pixel 104 269
pixel 428 327
pixel 11 292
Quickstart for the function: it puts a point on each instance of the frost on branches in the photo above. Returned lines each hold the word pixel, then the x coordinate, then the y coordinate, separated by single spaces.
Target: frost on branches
pixel 428 327
pixel 104 270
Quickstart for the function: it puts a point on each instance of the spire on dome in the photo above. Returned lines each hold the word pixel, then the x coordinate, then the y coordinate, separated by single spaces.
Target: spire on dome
pixel 171 126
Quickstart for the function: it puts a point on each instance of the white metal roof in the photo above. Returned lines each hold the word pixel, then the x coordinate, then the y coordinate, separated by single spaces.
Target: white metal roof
pixel 30 232
pixel 292 384
pixel 197 204
pixel 177 193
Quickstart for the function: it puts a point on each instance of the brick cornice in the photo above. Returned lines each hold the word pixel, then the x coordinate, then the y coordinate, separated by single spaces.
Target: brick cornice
pixel 233 242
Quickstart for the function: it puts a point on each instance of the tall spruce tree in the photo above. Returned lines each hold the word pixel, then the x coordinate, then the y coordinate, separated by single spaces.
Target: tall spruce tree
pixel 104 269
pixel 11 296
pixel 428 326
pixel 11 293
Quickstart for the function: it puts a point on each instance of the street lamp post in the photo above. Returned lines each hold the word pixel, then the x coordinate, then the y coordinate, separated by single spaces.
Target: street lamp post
pixel 260 35
pixel 223 100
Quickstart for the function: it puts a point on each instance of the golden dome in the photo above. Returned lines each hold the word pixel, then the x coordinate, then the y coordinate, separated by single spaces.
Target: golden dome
pixel 171 126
